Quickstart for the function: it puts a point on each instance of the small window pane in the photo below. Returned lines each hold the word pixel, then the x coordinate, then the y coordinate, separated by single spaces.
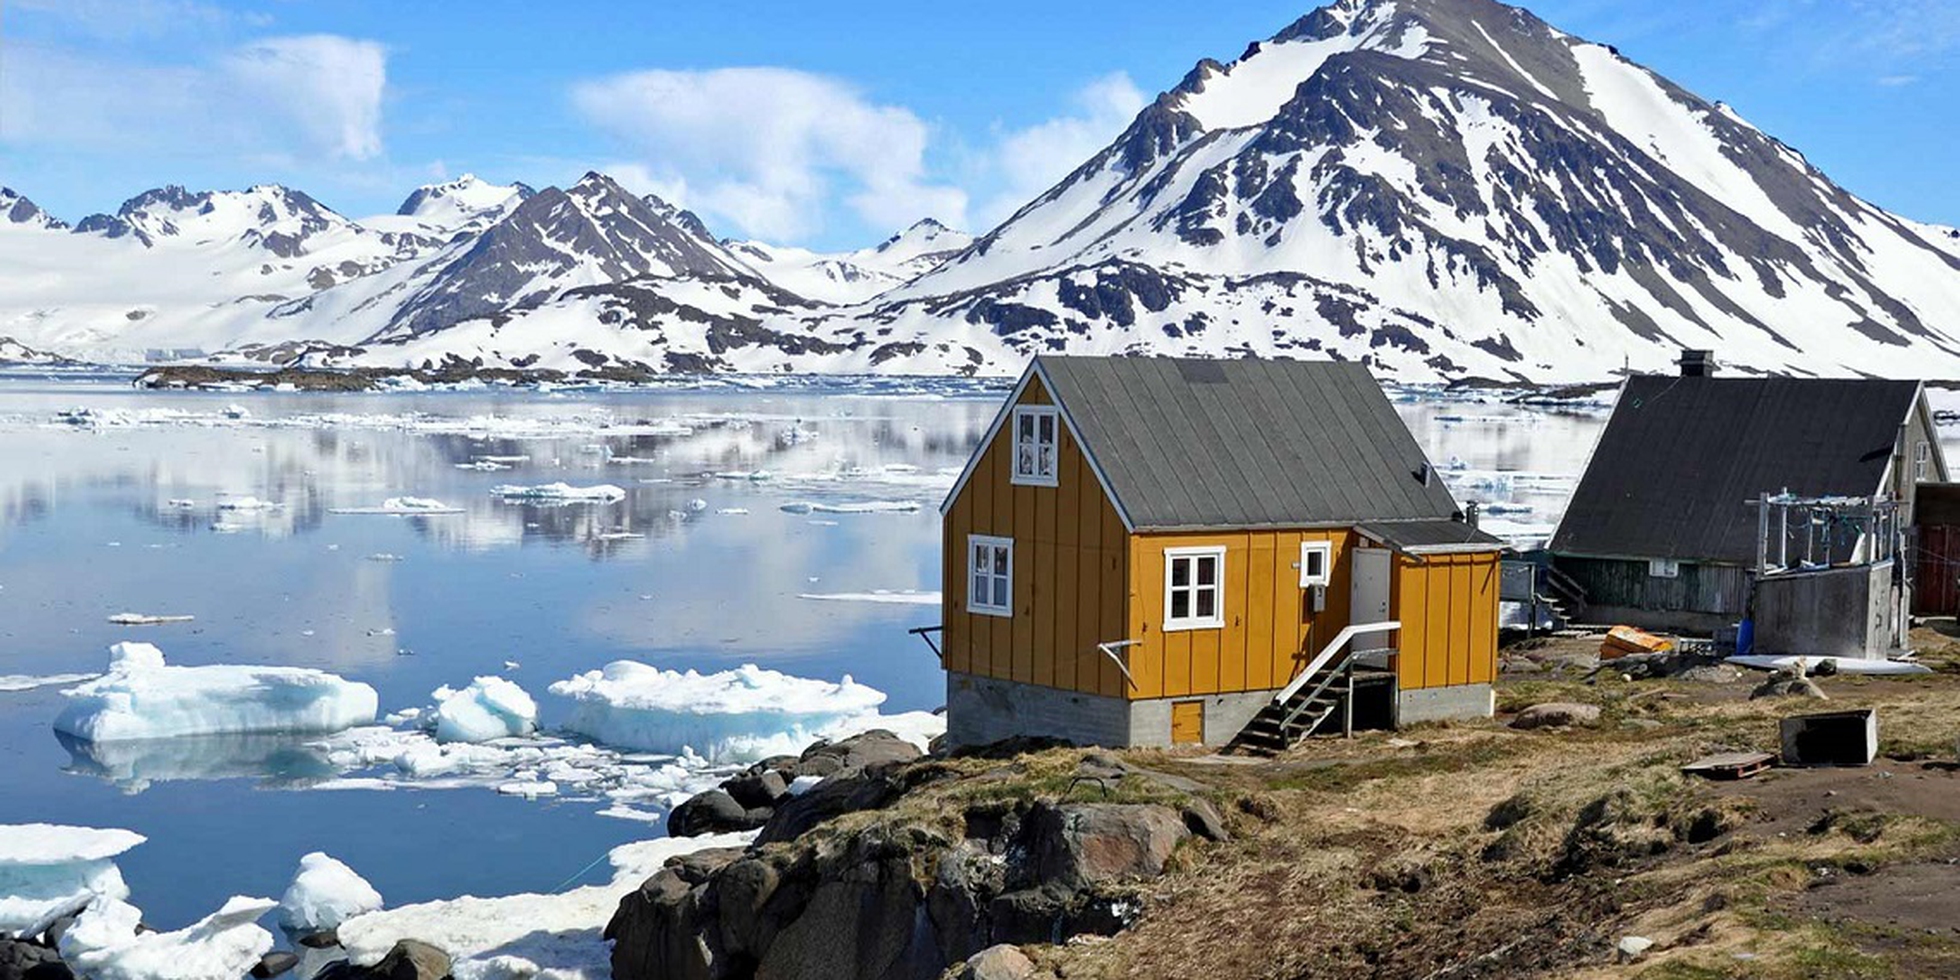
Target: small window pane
pixel 1315 559
pixel 1207 570
pixel 1207 603
pixel 1000 561
pixel 980 590
pixel 1000 592
pixel 1024 460
pixel 1047 428
pixel 1027 426
pixel 1180 605
pixel 1047 460
pixel 1180 572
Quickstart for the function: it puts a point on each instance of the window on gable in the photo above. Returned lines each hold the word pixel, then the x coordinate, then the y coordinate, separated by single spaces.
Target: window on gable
pixel 990 575
pixel 1316 563
pixel 1663 568
pixel 1922 461
pixel 1194 589
pixel 1036 436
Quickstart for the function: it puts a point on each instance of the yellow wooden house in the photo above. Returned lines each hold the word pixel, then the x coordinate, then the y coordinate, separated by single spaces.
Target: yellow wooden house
pixel 1149 551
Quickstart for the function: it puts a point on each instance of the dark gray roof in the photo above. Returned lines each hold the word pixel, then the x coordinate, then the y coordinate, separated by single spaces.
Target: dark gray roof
pixel 1190 443
pixel 1431 535
pixel 1680 456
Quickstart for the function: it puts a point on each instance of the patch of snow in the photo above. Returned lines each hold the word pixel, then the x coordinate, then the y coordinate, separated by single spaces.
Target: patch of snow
pixel 24 682
pixel 324 894
pixel 531 935
pixel 141 697
pixel 107 943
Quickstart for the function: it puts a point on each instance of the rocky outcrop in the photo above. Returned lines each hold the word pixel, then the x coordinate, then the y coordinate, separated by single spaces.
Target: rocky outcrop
pixel 896 898
pixel 760 796
pixel 22 960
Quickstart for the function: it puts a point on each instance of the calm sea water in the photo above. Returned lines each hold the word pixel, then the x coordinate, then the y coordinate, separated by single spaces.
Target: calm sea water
pixel 739 502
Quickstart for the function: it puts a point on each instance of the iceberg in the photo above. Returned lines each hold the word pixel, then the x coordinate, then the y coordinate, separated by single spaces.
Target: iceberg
pixel 141 697
pixel 560 493
pixel 324 894
pixel 49 871
pixel 107 943
pixel 735 715
pixel 402 507
pixel 491 707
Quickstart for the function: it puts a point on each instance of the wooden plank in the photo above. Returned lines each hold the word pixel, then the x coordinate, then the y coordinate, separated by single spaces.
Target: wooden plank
pixel 1261 629
pixel 1405 579
pixel 1000 629
pixel 1436 648
pixel 1483 626
pixel 1150 658
pixel 1462 619
pixel 1114 592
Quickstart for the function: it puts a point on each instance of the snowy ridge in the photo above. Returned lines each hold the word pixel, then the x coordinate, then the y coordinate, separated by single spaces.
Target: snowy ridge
pixel 1441 189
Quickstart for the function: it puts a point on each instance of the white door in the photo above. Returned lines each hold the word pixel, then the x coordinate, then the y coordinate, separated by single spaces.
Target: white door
pixel 1368 595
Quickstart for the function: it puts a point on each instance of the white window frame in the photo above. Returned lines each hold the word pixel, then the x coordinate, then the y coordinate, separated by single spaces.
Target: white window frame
pixel 974 542
pixel 1663 568
pixel 1036 414
pixel 1325 549
pixel 1922 461
pixel 1195 622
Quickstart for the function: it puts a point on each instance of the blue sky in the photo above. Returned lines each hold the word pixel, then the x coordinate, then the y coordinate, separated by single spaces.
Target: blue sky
pixel 823 124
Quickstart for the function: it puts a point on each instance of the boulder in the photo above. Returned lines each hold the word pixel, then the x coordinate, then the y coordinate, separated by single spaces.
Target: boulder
pixel 1204 820
pixel 659 932
pixel 863 751
pixel 412 959
pixel 1557 714
pixel 274 964
pixel 845 792
pixel 324 939
pixel 22 960
pixel 866 922
pixel 713 812
pixel 757 790
pixel 1788 683
pixel 998 962
pixel 1080 845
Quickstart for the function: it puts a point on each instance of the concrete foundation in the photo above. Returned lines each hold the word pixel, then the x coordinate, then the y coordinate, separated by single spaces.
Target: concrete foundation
pixel 1445 703
pixel 980 710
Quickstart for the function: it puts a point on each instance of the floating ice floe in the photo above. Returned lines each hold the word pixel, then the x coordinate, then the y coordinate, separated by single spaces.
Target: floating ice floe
pixel 533 935
pixel 733 511
pixel 733 715
pixel 273 758
pixel 324 894
pixel 141 697
pixel 402 506
pixel 483 466
pixel 491 707
pixel 142 619
pixel 852 507
pixel 560 493
pixel 246 504
pixel 107 942
pixel 909 597
pixel 25 682
pixel 49 871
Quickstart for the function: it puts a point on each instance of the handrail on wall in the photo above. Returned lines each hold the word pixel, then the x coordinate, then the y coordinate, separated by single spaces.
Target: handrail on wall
pixel 1327 653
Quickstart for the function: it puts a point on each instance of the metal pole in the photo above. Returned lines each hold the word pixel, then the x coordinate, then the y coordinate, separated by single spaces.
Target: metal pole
pixel 1347 705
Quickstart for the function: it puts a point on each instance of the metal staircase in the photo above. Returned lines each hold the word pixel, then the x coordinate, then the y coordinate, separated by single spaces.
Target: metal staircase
pixel 1321 693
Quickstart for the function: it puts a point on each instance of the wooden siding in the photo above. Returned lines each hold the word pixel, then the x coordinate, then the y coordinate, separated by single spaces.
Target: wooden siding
pixel 1269 632
pixel 1702 589
pixel 1070 572
pixel 1447 605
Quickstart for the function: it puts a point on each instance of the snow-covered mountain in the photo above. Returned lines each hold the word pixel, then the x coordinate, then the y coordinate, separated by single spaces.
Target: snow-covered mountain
pixel 1444 188
pixel 852 277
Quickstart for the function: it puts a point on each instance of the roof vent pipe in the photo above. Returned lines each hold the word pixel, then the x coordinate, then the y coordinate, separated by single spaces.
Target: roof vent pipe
pixel 1424 473
pixel 1697 363
pixel 1470 514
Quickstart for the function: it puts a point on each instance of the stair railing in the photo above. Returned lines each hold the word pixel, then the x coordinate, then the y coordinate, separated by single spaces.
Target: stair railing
pixel 1327 653
pixel 1344 671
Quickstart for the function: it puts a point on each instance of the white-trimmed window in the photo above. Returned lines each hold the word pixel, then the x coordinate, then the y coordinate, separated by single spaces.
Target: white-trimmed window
pixel 1663 568
pixel 990 575
pixel 1036 436
pixel 1922 462
pixel 1194 588
pixel 1316 563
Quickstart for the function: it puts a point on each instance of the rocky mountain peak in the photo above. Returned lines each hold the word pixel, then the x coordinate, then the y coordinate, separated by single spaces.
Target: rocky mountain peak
pixel 18 210
pixel 465 196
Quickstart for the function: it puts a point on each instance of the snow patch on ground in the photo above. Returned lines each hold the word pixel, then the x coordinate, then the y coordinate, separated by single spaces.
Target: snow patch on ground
pixel 141 697
pixel 530 935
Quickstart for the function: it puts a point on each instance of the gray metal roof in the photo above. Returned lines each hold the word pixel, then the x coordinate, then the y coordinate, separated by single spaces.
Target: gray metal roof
pixel 1680 456
pixel 1432 535
pixel 1188 444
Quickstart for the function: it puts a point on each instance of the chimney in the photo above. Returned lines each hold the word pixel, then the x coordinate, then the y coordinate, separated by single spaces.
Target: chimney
pixel 1697 363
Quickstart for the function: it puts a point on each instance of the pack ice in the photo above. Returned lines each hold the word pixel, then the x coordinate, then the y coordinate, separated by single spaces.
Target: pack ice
pixel 728 716
pixel 49 871
pixel 142 697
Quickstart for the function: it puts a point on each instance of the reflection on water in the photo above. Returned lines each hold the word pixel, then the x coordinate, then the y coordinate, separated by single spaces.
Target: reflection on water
pixel 272 761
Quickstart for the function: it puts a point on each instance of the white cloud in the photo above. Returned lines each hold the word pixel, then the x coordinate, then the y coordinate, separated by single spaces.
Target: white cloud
pixel 769 149
pixel 286 98
pixel 1030 161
